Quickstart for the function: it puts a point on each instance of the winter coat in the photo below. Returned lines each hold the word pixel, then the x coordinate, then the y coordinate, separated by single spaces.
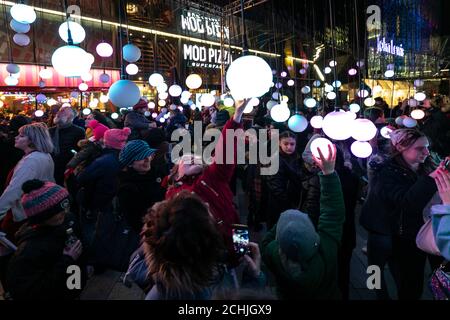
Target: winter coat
pixel 138 123
pixel 68 140
pixel 89 152
pixel 38 269
pixel 213 187
pixel 437 128
pixel 100 180
pixel 8 163
pixel 396 201
pixel 318 277
pixel 36 165
pixel 440 216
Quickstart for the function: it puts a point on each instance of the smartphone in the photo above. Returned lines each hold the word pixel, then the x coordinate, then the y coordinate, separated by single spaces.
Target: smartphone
pixel 447 165
pixel 240 239
pixel 73 151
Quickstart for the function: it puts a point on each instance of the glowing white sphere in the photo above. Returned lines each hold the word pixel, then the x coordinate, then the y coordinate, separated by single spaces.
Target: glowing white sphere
pixel 86 77
pixel 354 107
pixel 306 90
pixel 291 83
pixel 276 95
pixel 418 83
pixel 90 57
pixel 361 149
pixel 162 120
pixel 172 107
pixel 11 81
pixel 104 49
pixel 333 63
pixel 66 105
pixel 248 108
pixel 104 98
pixel 74 94
pixel 19 27
pixel 337 84
pixel 417 114
pixel 298 123
pixel 283 74
pixel 41 97
pixel 161 103
pixel 83 86
pixel 114 115
pixel 151 105
pixel 279 85
pixel 71 61
pixel 86 111
pixel 386 132
pixel 254 102
pixel 124 94
pixel 409 122
pixel 175 90
pixel 132 69
pixel 352 72
pixel 186 94
pixel 327 70
pixel 363 93
pixel 193 107
pixel 310 103
pixel 207 99
pixel 155 79
pixel 93 104
pixel 46 74
pixel 180 108
pixel 280 113
pixel 302 71
pixel 41 84
pixel 322 144
pixel 360 63
pixel 193 81
pixel 399 121
pixel 104 78
pixel 369 102
pixel 39 113
pixel 389 73
pixel 328 88
pixel 337 125
pixel 331 95
pixel 316 122
pixel 249 76
pixel 270 104
pixel 51 102
pixel 377 88
pixel 76 31
pixel 412 103
pixel 184 100
pixel 229 102
pixel 420 96
pixel 21 39
pixel 12 68
pixel 284 99
pixel 131 53
pixel 317 83
pixel 15 75
pixel 363 130
pixel 154 115
pixel 23 13
pixel 162 87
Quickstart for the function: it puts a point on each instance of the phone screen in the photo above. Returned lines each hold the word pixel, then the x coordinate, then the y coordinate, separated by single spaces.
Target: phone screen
pixel 240 239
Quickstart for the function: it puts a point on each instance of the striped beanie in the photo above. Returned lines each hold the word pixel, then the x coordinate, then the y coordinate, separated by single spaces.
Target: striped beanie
pixel 42 200
pixel 134 150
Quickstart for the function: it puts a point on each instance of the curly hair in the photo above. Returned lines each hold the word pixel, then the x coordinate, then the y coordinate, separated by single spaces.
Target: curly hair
pixel 183 247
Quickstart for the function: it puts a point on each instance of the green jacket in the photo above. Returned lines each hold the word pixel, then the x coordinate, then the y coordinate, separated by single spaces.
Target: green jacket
pixel 318 279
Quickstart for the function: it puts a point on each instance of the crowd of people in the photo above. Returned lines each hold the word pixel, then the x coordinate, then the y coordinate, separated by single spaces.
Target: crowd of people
pixel 105 194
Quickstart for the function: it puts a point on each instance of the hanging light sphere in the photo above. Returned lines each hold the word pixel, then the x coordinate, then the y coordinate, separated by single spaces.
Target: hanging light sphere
pixel 76 31
pixel 283 74
pixel 229 102
pixel 172 107
pixel 114 115
pixel 193 81
pixel 369 102
pixel 354 107
pixel 386 132
pixel 162 120
pixel 19 27
pixel 317 83
pixel 23 13
pixel 147 113
pixel 124 94
pixel 132 69
pixel 163 95
pixel 12 68
pixel 337 125
pixel 302 71
pixel 413 103
pixel 193 107
pixel 284 99
pixel 333 63
pixel 327 70
pixel 11 81
pixel 131 53
pixel 363 130
pixel 363 93
pixel 361 149
pixel 360 63
pixel 337 84
pixel 291 83
pixel 186 94
pixel 39 113
pixel 306 90
pixel 352 115
pixel 154 115
pixel 86 77
pixel 420 96
pixel 93 104
pixel 409 122
pixel 15 75
pixel 418 83
pixel 331 95
pixel 175 90
pixel 248 77
pixel 74 94
pixel 280 113
pixel 389 73
pixel 41 97
pixel 46 74
pixel 90 58
pixel 254 102
pixel 104 98
pixel 399 121
pixel 352 72
pixel 328 88
pixel 310 103
pixel 279 85
pixel 276 95
pixel 377 88
pixel 248 108
pixel 71 61
pixel 417 114
pixel 162 87
pixel 51 102
pixel 184 100
pixel 161 103
pixel 21 39
pixel 297 123
pixel 322 144
pixel 207 99
pixel 104 50
pixel 270 104
pixel 105 78
pixel 86 111
pixel 41 84
pixel 316 122
pixel 83 86
pixel 151 105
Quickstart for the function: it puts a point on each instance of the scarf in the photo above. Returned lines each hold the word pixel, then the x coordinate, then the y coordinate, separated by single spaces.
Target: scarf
pixel 55 139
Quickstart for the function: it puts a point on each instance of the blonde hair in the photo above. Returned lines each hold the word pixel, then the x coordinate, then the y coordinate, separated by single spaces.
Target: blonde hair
pixel 39 137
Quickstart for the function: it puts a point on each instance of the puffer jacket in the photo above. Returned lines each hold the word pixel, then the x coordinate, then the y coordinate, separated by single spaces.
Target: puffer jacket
pixel 440 217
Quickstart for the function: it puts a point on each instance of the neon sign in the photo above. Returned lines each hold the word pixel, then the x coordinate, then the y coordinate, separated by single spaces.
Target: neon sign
pixel 389 47
pixel 196 23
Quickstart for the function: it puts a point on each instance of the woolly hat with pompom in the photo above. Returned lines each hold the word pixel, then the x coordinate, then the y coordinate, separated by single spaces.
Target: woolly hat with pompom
pixel 116 138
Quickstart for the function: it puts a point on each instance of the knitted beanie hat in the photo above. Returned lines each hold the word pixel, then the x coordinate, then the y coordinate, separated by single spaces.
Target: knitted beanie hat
pixel 42 200
pixel 98 129
pixel 296 236
pixel 142 104
pixel 116 138
pixel 134 150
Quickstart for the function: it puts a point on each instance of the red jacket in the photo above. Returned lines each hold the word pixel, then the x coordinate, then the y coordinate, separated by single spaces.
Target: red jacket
pixel 213 186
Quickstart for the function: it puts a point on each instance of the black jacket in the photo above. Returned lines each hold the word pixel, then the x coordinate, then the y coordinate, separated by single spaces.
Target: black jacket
pixel 396 200
pixel 38 269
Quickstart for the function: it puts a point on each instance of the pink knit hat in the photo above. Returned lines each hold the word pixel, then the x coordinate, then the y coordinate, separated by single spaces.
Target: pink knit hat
pixel 98 129
pixel 116 138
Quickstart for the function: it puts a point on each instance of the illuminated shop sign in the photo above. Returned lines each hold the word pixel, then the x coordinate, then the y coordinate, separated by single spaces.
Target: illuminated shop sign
pixel 389 47
pixel 199 24
pixel 205 57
